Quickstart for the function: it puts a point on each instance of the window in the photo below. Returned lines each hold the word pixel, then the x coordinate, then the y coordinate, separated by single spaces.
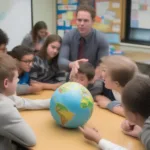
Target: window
pixel 137 22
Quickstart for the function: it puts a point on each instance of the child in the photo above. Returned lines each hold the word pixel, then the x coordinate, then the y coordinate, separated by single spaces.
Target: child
pixel 3 41
pixel 45 69
pixel 36 38
pixel 12 127
pixel 24 57
pixel 135 100
pixel 136 103
pixel 118 72
pixel 85 76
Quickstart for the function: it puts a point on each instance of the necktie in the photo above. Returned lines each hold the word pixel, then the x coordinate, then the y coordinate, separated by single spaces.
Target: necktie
pixel 81 48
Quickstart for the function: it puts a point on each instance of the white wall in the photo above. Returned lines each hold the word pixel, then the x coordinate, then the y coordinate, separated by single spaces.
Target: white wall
pixel 45 10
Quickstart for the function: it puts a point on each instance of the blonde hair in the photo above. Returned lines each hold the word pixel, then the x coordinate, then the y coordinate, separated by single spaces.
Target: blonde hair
pixel 120 68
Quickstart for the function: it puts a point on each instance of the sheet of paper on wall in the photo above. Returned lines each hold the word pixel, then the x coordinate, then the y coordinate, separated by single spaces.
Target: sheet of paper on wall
pixel 60 22
pixel 61 33
pixel 116 28
pixel 69 15
pixel 113 38
pixel 67 22
pixel 101 8
pixel 59 1
pixel 135 6
pixel 115 5
pixel 116 20
pixel 64 16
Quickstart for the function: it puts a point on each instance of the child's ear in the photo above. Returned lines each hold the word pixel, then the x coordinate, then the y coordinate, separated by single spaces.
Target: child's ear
pixel 117 83
pixel 6 83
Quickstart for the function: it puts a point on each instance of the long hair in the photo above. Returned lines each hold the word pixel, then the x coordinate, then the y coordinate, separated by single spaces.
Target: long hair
pixel 50 39
pixel 38 26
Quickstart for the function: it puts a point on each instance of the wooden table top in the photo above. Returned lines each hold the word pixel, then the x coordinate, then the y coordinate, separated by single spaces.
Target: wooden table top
pixel 51 136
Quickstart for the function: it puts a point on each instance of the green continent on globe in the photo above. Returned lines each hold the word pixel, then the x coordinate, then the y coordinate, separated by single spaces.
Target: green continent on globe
pixel 86 103
pixel 64 114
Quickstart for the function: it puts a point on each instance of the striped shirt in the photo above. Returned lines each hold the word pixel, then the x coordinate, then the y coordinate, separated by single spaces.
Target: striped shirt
pixel 45 71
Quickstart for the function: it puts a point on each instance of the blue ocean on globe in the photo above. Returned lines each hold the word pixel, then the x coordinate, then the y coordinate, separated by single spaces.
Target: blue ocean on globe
pixel 71 105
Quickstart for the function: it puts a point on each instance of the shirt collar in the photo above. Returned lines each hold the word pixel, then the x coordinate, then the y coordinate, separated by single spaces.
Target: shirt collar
pixel 87 37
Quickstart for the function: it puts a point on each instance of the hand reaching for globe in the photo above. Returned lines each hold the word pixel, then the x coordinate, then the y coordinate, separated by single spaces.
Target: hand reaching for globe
pixel 91 134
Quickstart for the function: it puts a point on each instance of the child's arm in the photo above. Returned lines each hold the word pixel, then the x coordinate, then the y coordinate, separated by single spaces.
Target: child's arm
pixel 23 89
pixel 46 86
pixel 93 135
pixel 114 106
pixel 14 127
pixel 24 103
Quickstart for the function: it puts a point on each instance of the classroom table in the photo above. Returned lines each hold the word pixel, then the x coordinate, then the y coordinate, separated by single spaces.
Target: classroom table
pixel 53 137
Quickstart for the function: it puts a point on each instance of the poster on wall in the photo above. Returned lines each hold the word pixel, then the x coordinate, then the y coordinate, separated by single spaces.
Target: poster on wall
pixel 140 14
pixel 66 15
pixel 108 19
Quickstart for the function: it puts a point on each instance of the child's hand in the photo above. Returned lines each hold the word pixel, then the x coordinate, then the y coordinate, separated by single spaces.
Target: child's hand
pixel 102 101
pixel 90 134
pixel 131 129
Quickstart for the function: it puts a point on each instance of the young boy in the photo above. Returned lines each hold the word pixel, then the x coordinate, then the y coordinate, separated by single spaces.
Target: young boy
pixel 85 76
pixel 24 57
pixel 135 100
pixel 119 70
pixel 3 41
pixel 12 127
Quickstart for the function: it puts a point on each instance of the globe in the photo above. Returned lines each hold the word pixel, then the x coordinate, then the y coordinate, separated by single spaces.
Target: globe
pixel 71 105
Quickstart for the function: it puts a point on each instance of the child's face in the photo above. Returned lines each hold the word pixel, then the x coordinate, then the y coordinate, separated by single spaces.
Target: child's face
pixel 42 33
pixel 109 83
pixel 26 63
pixel 53 49
pixel 3 48
pixel 133 117
pixel 82 79
pixel 10 86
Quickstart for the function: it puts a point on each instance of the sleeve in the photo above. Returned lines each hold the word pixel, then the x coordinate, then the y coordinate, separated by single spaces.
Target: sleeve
pixel 35 69
pixel 26 41
pixel 22 89
pixel 107 145
pixel 145 135
pixel 103 47
pixel 15 128
pixel 63 60
pixel 61 76
pixel 24 103
pixel 97 88
pixel 113 104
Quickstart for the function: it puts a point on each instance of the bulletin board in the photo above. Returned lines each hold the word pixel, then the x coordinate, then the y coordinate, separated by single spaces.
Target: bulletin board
pixel 140 14
pixel 108 19
pixel 66 18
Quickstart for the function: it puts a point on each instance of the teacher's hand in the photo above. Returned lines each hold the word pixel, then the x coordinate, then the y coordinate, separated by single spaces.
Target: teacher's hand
pixel 75 64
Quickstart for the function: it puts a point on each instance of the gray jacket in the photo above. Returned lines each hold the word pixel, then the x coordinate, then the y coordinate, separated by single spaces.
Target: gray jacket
pixel 13 127
pixel 145 135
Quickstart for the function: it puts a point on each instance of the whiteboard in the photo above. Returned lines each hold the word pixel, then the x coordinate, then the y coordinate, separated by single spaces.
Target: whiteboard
pixel 15 20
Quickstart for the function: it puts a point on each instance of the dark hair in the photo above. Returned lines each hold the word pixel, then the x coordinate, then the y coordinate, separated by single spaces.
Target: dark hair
pixel 50 39
pixel 87 69
pixel 136 95
pixel 3 37
pixel 87 8
pixel 19 51
pixel 7 68
pixel 38 26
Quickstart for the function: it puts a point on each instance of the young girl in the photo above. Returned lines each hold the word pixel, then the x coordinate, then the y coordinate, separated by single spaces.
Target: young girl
pixel 118 71
pixel 36 37
pixel 24 57
pixel 45 70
